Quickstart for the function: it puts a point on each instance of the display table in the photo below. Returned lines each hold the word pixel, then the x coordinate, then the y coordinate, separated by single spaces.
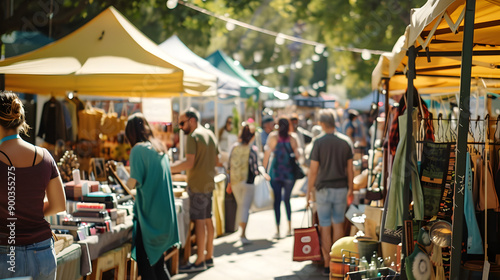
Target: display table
pixel 95 246
pixel 69 263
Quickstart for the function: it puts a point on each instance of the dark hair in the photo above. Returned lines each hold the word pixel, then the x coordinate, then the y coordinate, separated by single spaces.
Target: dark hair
pixel 221 130
pixel 192 113
pixel 284 127
pixel 246 134
pixel 12 112
pixel 138 130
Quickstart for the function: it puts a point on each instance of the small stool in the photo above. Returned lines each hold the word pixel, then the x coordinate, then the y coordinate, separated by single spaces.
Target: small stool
pixel 114 259
pixel 132 271
pixel 190 241
pixel 172 253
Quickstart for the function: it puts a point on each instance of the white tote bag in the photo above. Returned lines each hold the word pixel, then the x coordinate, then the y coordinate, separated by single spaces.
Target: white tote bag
pixel 263 196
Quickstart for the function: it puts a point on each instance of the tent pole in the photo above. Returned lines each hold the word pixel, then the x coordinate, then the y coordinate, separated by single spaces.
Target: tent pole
pixel 409 141
pixel 181 133
pixel 216 123
pixel 461 150
pixel 386 125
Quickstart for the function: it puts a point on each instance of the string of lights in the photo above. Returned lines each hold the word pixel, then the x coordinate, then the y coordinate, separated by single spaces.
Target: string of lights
pixel 280 37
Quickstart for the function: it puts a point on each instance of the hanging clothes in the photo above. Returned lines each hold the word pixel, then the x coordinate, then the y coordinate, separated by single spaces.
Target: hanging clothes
pixel 52 122
pixel 395 213
pixel 489 184
pixel 394 133
pixel 73 114
pixel 474 241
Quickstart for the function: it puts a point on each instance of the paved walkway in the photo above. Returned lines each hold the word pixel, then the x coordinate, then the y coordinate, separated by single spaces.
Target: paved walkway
pixel 264 258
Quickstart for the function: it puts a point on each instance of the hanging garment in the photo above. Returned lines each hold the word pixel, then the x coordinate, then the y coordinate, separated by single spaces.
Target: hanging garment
pixel 434 170
pixel 476 173
pixel 395 213
pixel 474 241
pixel 52 124
pixel 489 183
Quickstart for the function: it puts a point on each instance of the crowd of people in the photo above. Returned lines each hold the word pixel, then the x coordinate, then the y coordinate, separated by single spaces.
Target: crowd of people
pixel 268 150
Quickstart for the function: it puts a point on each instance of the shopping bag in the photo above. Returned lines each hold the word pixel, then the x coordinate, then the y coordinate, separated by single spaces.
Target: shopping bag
pixel 263 195
pixel 110 124
pixel 306 243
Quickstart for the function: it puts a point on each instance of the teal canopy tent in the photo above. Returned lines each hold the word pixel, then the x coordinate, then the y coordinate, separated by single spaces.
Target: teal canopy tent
pixel 227 65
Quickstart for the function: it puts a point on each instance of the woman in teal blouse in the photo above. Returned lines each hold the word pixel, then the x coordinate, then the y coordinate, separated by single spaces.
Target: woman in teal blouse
pixel 155 220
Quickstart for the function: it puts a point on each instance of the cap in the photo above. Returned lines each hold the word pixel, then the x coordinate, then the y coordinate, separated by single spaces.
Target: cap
pixel 267 119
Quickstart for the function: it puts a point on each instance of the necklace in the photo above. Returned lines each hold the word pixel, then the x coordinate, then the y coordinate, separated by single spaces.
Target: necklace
pixel 10 137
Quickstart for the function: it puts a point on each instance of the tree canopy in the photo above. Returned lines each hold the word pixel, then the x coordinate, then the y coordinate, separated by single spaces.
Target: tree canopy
pixel 363 24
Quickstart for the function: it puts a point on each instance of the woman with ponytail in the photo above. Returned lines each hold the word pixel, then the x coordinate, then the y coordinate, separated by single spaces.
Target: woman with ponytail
pixel 30 189
pixel 283 146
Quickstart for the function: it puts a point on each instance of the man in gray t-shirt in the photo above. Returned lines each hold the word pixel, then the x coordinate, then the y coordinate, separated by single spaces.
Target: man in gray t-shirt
pixel 330 182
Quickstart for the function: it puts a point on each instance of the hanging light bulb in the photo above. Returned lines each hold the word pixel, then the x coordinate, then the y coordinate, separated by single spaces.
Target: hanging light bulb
pixel 171 4
pixel 279 39
pixel 366 55
pixel 319 48
pixel 230 26
pixel 298 65
pixel 281 69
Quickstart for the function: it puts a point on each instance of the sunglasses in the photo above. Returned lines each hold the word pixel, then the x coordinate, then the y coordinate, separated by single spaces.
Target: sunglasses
pixel 183 122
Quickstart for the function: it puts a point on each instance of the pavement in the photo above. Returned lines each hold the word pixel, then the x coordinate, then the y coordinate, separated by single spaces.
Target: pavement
pixel 265 258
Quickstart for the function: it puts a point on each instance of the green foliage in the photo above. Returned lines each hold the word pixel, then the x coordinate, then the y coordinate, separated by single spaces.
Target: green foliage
pixel 370 24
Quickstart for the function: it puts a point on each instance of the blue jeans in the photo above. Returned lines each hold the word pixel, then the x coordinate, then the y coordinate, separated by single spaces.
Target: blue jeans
pixel 331 205
pixel 278 187
pixel 37 260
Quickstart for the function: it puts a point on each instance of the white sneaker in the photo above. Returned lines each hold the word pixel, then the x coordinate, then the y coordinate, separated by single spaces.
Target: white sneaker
pixel 245 241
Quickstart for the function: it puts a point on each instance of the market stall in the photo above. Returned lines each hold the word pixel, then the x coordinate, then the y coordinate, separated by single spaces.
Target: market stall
pixel 449 47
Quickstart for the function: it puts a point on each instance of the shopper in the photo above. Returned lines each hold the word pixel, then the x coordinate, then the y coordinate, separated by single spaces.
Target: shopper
pixel 330 182
pixel 226 140
pixel 200 162
pixel 243 168
pixel 155 219
pixel 28 174
pixel 281 144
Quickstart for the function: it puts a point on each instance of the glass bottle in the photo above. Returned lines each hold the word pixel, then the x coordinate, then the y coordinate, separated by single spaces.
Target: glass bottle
pixel 363 264
pixel 352 265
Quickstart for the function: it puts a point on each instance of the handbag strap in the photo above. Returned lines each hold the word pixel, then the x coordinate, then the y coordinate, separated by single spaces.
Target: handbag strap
pixel 309 224
pixel 124 112
pixel 111 108
pixel 291 153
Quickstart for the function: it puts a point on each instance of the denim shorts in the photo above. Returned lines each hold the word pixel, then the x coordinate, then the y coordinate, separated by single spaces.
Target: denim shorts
pixel 37 260
pixel 331 204
pixel 200 205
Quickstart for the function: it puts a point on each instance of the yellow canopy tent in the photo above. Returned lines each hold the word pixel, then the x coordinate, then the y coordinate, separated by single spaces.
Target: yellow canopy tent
pixel 436 30
pixel 108 56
